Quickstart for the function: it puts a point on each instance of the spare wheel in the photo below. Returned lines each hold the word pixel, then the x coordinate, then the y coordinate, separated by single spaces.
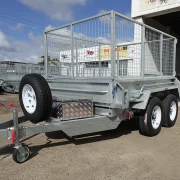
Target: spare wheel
pixel 35 97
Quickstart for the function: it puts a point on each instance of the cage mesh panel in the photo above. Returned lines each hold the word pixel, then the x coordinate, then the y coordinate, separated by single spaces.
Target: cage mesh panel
pixel 128 51
pixel 60 41
pixel 84 49
pixel 91 45
pixel 168 57
pixel 152 53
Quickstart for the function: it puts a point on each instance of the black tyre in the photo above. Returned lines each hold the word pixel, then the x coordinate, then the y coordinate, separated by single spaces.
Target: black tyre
pixel 170 111
pixel 151 120
pixel 20 158
pixel 35 97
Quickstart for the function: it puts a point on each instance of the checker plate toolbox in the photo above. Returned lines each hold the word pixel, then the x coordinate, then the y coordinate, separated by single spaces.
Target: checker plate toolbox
pixel 69 110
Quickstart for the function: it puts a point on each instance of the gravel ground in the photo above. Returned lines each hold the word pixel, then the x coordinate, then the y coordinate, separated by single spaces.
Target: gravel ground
pixel 121 154
pixel 5 110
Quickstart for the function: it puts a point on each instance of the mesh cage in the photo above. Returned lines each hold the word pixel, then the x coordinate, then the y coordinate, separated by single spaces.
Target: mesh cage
pixel 78 50
pixel 128 43
pixel 59 45
pixel 152 53
pixel 168 56
pixel 109 45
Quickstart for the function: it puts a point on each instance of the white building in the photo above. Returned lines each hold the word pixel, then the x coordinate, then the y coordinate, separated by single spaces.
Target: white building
pixel 90 61
pixel 160 14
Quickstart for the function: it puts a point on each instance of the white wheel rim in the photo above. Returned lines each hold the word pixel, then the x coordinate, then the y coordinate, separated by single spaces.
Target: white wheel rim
pixel 29 99
pixel 173 111
pixel 156 117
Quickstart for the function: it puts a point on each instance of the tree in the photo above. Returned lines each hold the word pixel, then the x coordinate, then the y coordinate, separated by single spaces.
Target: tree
pixel 53 61
pixel 41 62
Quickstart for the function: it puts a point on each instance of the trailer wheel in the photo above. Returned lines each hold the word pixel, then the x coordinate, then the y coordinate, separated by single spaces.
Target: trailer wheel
pixel 19 157
pixel 170 111
pixel 35 97
pixel 151 121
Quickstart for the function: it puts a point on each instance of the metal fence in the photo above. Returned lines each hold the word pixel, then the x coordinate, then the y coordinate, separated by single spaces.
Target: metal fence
pixel 17 71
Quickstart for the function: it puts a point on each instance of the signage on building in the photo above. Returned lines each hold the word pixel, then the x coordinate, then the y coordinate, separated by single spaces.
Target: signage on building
pixel 106 52
pixel 92 54
pixel 151 4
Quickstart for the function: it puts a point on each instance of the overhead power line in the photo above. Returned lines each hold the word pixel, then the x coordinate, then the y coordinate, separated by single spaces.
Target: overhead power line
pixel 24 19
pixel 10 27
pixel 12 21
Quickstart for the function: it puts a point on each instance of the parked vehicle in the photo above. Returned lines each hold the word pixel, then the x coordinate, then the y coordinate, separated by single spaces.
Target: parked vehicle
pixel 118 69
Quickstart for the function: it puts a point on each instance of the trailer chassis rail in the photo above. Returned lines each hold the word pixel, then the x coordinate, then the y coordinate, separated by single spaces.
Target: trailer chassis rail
pixel 72 128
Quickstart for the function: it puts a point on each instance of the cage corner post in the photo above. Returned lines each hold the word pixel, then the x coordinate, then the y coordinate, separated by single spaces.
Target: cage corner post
pixel 72 49
pixel 142 50
pixel 113 42
pixel 161 55
pixel 46 55
pixel 174 57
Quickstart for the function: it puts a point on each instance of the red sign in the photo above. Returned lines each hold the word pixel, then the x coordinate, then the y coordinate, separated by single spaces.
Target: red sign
pixel 90 52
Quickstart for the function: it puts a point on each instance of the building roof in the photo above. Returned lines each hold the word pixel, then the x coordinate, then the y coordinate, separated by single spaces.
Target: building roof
pixel 12 62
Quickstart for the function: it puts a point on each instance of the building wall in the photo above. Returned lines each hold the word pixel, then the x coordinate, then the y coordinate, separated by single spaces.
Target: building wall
pixel 145 10
pixel 87 60
pixel 150 8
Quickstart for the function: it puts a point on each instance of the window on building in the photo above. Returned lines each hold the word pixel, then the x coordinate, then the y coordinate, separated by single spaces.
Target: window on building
pixel 123 67
pixel 95 64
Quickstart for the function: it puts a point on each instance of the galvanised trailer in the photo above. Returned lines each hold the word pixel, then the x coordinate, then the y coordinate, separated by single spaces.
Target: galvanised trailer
pixel 115 69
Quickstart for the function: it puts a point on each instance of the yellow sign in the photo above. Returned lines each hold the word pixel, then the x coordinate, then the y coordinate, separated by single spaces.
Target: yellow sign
pixel 122 51
pixel 106 52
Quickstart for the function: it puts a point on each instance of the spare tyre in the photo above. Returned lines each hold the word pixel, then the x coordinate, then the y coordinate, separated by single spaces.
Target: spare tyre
pixel 35 97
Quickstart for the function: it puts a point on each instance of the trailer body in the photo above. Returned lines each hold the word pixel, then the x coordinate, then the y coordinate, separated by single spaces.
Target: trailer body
pixel 111 59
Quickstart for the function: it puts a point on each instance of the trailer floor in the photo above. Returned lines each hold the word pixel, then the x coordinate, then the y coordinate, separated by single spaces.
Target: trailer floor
pixel 120 154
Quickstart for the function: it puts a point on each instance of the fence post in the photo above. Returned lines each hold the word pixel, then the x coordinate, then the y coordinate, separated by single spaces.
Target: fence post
pixel 174 58
pixel 72 51
pixel 118 69
pixel 99 59
pixel 46 55
pixel 161 53
pixel 142 50
pixel 113 42
pixel 77 64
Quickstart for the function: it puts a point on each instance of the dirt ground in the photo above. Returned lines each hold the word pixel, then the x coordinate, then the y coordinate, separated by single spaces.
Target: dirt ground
pixel 5 110
pixel 122 154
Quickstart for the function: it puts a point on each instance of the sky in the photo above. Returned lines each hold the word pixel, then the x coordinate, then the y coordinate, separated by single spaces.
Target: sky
pixel 22 22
